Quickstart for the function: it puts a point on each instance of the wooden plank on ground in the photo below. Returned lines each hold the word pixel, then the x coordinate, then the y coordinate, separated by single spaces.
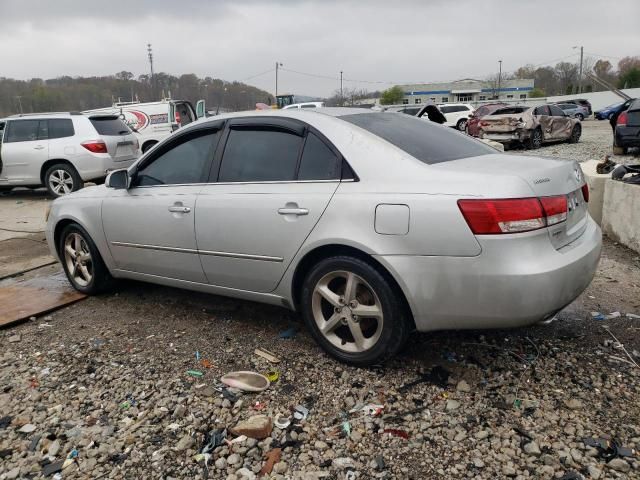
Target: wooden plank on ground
pixel 34 297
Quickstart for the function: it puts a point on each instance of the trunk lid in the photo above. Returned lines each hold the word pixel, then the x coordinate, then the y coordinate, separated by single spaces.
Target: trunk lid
pixel 546 177
pixel 500 123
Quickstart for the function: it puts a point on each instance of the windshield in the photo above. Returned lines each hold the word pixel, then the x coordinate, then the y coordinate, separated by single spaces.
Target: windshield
pixel 423 140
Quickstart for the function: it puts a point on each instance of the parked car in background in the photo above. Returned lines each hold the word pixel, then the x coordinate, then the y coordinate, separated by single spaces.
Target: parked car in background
pixel 305 105
pixel 530 126
pixel 154 121
pixel 573 110
pixel 406 109
pixel 627 133
pixel 608 111
pixel 63 150
pixel 457 114
pixel 486 109
pixel 370 224
pixel 581 102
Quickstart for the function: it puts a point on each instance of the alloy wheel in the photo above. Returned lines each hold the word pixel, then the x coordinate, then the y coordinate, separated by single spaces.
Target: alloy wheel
pixel 462 125
pixel 61 182
pixel 537 139
pixel 347 311
pixel 78 259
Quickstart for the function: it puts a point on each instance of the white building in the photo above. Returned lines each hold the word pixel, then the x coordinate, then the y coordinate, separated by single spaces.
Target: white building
pixel 467 91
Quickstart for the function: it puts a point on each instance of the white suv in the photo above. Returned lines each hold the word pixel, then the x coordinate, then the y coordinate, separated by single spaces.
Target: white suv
pixel 457 114
pixel 62 150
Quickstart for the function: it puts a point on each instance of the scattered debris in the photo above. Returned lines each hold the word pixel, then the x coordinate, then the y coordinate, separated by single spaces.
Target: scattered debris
pixel 281 422
pixel 266 354
pixel 272 375
pixel 397 433
pixel 438 376
pixel 15 338
pixel 28 428
pixel 300 412
pixel 597 316
pixel 613 315
pixel 258 427
pixel 289 333
pixel 51 468
pixel 609 448
pixel 246 381
pixel 272 457
pixel 213 439
pixel 206 363
pixel 633 316
pixel 195 373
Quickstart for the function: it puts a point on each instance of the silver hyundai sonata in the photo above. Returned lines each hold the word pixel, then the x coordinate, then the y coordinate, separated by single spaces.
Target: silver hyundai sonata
pixel 370 224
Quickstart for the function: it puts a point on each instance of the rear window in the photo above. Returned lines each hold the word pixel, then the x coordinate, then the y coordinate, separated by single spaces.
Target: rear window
pixel 423 140
pixel 110 126
pixel 509 110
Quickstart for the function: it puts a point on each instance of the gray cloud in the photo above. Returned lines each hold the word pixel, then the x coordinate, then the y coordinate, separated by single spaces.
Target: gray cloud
pixel 375 40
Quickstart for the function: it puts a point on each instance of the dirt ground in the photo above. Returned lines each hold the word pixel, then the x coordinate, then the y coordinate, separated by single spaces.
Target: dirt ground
pixel 104 383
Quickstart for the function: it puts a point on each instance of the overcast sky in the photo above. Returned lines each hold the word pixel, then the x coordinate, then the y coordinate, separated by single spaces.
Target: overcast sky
pixel 401 41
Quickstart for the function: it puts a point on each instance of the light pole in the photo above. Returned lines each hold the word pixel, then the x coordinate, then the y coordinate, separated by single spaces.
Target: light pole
pixel 278 64
pixel 499 77
pixel 341 94
pixel 150 54
pixel 580 74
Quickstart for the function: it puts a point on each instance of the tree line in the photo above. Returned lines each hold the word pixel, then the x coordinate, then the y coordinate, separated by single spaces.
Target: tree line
pixel 84 93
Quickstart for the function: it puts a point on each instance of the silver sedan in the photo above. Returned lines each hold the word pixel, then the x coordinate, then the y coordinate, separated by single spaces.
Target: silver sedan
pixel 370 224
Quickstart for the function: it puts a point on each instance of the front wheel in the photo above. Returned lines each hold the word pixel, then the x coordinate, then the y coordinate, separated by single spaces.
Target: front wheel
pixel 353 311
pixel 462 124
pixel 575 134
pixel 82 262
pixel 62 179
pixel 579 116
pixel 535 141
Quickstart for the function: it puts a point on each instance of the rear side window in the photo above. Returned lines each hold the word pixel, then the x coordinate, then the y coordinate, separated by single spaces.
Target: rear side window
pixel 60 128
pixel 555 111
pixel 318 161
pixel 425 141
pixel 541 110
pixel 183 163
pixel 110 126
pixel 260 155
pixel 22 131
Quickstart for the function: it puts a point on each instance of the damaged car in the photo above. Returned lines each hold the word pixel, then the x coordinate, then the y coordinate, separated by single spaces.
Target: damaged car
pixel 530 126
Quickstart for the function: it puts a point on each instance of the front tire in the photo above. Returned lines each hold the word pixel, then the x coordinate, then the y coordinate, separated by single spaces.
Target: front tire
pixel 462 124
pixel 579 116
pixel 535 141
pixel 353 311
pixel 62 179
pixel 575 134
pixel 82 261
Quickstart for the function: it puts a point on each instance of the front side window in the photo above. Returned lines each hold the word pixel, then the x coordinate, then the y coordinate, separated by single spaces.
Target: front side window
pixel 541 110
pixel 318 161
pixel 60 128
pixel 22 131
pixel 555 111
pixel 260 155
pixel 183 163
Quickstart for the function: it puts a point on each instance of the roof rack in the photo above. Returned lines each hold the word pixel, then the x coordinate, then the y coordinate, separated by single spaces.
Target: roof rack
pixel 39 114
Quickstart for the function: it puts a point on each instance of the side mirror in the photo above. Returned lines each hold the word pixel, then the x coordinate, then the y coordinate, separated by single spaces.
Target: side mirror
pixel 118 179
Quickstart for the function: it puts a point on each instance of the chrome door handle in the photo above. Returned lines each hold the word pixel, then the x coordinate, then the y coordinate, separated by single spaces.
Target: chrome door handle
pixel 293 211
pixel 39 147
pixel 177 209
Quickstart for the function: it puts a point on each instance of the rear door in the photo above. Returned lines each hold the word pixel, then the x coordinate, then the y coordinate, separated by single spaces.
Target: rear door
pixel 275 180
pixel 561 125
pixel 25 148
pixel 543 116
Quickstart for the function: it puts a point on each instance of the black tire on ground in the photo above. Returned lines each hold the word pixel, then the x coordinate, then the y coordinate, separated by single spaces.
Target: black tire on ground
pixel 61 179
pixel 396 324
pixel 575 134
pixel 462 124
pixel 535 141
pixel 101 280
pixel 147 146
pixel 579 116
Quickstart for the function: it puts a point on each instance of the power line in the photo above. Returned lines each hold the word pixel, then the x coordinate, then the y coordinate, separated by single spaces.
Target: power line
pixel 258 74
pixel 603 56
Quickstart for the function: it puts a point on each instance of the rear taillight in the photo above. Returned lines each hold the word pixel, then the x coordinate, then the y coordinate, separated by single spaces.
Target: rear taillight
pixel 486 217
pixel 585 192
pixel 622 120
pixel 96 146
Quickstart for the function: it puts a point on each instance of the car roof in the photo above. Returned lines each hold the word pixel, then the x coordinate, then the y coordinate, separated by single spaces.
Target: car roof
pixel 45 114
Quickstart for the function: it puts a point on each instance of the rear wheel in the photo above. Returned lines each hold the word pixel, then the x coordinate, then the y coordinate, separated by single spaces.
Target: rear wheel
pixel 579 116
pixel 462 124
pixel 82 262
pixel 62 179
pixel 353 311
pixel 535 141
pixel 147 146
pixel 575 134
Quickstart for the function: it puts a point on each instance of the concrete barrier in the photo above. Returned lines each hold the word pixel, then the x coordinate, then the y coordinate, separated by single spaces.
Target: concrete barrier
pixel 596 182
pixel 621 213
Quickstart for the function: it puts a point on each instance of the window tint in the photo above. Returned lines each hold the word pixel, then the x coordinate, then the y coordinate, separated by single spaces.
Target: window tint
pixel 318 161
pixel 308 106
pixel 446 109
pixel 60 128
pixel 541 110
pixel 182 163
pixel 260 156
pixel 22 131
pixel 509 110
pixel 110 126
pixel 425 141
pixel 555 111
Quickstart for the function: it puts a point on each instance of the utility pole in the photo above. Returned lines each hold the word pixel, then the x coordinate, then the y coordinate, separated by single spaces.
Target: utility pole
pixel 150 54
pixel 278 65
pixel 499 78
pixel 580 74
pixel 341 95
pixel 19 97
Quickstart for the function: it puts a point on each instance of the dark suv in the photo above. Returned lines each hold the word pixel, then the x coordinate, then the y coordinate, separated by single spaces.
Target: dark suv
pixel 628 128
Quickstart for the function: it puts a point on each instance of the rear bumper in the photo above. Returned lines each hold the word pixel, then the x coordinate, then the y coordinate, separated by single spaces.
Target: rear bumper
pixel 513 282
pixel 507 137
pixel 628 136
pixel 98 166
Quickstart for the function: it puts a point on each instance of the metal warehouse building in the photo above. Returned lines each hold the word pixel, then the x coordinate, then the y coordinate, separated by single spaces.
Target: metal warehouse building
pixel 467 91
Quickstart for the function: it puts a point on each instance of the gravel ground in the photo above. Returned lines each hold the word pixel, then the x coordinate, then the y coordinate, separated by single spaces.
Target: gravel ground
pixel 105 383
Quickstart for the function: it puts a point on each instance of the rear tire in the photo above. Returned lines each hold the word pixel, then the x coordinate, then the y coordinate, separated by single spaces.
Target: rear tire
pixel 535 141
pixel 462 124
pixel 579 116
pixel 575 134
pixel 62 179
pixel 147 146
pixel 82 261
pixel 353 311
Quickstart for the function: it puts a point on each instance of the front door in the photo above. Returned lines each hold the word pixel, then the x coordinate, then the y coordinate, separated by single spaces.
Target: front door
pixel 561 125
pixel 543 115
pixel 150 226
pixel 25 148
pixel 275 181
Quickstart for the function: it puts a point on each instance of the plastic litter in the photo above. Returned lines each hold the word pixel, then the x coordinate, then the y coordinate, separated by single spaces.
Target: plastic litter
pixel 266 354
pixel 613 315
pixel 396 433
pixel 246 380
pixel 213 439
pixel 289 333
pixel 281 422
pixel 597 316
pixel 273 375
pixel 438 376
pixel 346 428
pixel 195 373
pixel 609 448
pixel 351 475
pixel 206 363
pixel 259 406
pixel 633 316
pixel 197 355
pixel 300 412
